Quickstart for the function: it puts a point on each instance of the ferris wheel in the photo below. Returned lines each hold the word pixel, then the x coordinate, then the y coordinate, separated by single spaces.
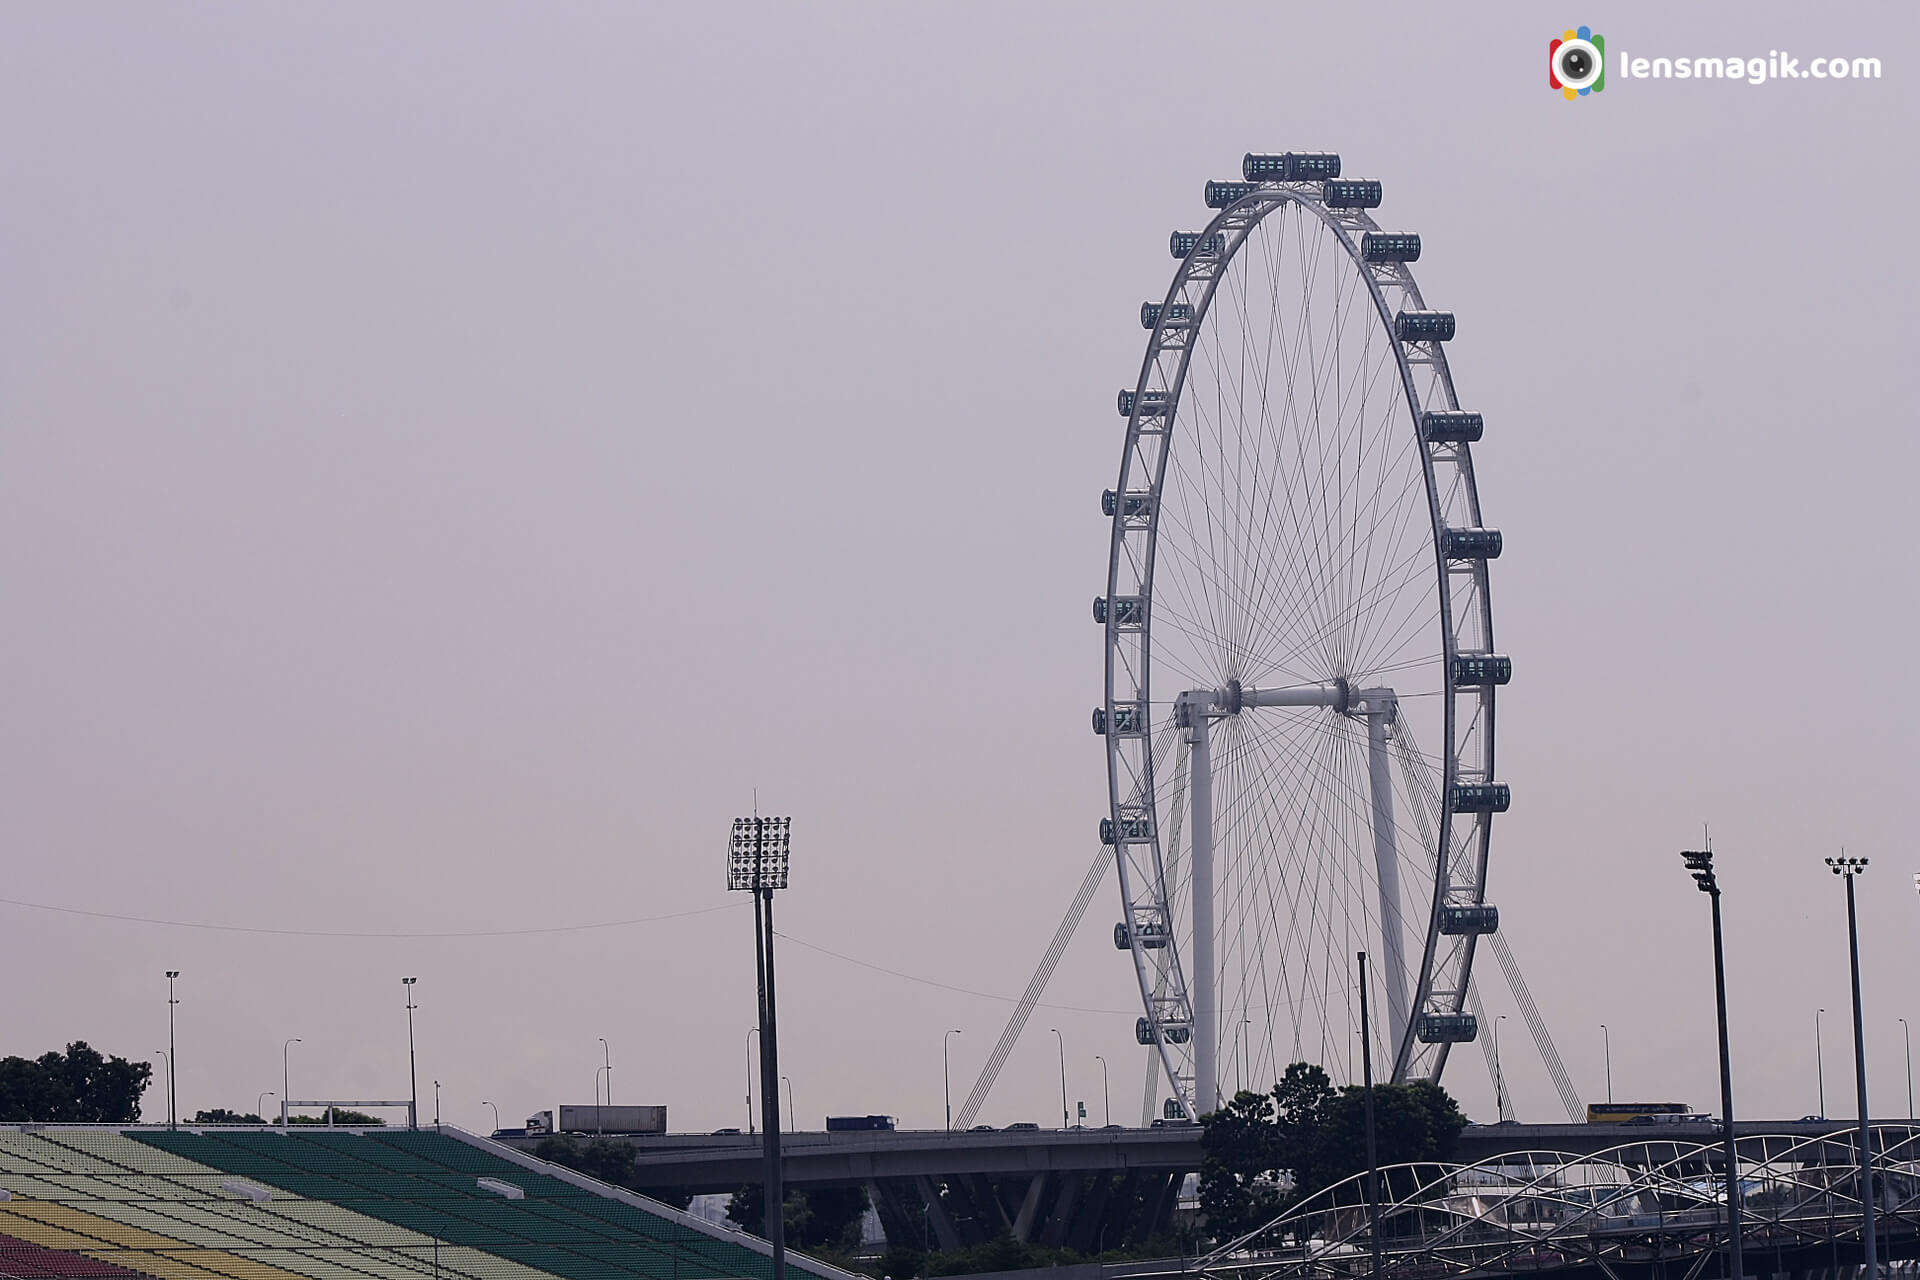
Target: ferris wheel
pixel 1300 670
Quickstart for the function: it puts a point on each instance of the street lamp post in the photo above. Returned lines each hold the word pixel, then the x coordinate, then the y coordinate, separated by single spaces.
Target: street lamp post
pixel 1245 1069
pixel 1819 1063
pixel 1499 1076
pixel 1847 868
pixel 260 1104
pixel 167 1057
pixel 413 1071
pixel 436 1104
pixel 946 1074
pixel 496 1114
pixel 1373 1153
pixel 1606 1049
pixel 788 1081
pixel 1066 1121
pixel 1700 864
pixel 1106 1095
pixel 757 863
pixel 173 1100
pixel 285 1092
pixel 1906 1034
pixel 751 1033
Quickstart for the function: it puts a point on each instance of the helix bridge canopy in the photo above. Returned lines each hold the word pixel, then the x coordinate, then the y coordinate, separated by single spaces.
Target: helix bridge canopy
pixel 1655 1201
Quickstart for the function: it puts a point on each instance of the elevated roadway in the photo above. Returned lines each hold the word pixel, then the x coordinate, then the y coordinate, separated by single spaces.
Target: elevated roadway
pixel 722 1161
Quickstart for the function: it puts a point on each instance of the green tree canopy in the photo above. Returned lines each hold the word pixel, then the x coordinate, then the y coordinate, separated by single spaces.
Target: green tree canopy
pixel 611 1162
pixel 341 1116
pixel 79 1086
pixel 815 1217
pixel 220 1115
pixel 1263 1153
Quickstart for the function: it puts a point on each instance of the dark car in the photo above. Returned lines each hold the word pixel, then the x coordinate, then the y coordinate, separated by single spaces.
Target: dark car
pixel 1024 1126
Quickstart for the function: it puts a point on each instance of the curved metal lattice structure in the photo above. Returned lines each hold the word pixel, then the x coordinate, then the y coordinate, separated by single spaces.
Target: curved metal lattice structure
pixel 1640 1202
pixel 1296 602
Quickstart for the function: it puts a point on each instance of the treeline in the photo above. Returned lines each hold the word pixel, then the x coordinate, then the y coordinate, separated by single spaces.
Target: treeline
pixel 80 1086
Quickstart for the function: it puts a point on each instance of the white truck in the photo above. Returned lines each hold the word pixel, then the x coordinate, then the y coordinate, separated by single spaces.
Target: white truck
pixel 593 1118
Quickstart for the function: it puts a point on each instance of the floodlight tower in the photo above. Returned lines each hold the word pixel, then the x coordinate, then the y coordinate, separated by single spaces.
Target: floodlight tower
pixel 172 1096
pixel 1847 868
pixel 1700 863
pixel 757 864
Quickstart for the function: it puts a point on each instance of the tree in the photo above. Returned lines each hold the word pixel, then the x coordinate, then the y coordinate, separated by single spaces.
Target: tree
pixel 610 1162
pixel 1413 1123
pixel 815 1217
pixel 220 1115
pixel 1239 1165
pixel 77 1087
pixel 340 1116
pixel 1263 1153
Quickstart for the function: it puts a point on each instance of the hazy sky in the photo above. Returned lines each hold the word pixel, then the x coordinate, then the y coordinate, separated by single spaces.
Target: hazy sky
pixel 453 454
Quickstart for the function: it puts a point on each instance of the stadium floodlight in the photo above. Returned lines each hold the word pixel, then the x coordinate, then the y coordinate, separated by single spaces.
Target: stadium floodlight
pixel 757 864
pixel 757 854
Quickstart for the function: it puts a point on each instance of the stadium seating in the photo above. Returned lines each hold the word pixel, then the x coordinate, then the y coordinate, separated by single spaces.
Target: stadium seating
pixel 95 1204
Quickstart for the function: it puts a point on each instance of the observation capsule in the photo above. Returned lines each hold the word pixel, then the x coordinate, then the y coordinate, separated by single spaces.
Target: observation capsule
pixel 1389 246
pixel 1125 721
pixel 1191 244
pixel 1473 544
pixel 1458 921
pixel 1447 1028
pixel 1151 402
pixel 1423 326
pixel 1178 313
pixel 1152 936
pixel 1351 193
pixel 1137 503
pixel 1221 194
pixel 1451 426
pixel 1131 829
pixel 1481 797
pixel 1126 611
pixel 1176 1033
pixel 1472 670
pixel 1290 166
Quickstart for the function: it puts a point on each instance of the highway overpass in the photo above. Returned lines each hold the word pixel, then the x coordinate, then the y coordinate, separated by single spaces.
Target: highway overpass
pixel 1084 1189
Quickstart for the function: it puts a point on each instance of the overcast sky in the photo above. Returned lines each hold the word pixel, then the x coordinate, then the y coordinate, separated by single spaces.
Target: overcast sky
pixel 451 455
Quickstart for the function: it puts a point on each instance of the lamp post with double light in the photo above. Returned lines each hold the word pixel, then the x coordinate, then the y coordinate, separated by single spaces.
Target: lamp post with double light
pixel 1699 864
pixel 173 1101
pixel 413 1070
pixel 1847 868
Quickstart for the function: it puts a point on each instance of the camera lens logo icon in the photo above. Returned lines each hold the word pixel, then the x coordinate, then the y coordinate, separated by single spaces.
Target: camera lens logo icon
pixel 1577 63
